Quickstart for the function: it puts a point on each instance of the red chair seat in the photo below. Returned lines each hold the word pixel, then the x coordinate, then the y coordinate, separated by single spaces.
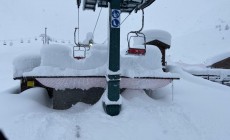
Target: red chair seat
pixel 136 51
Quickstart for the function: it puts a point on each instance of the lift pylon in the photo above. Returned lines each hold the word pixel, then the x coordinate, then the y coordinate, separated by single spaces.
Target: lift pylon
pixel 112 102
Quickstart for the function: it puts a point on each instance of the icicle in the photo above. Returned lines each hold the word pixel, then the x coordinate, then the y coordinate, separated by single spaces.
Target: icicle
pixel 172 91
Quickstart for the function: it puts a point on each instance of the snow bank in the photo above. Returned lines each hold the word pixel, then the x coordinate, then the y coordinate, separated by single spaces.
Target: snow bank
pixel 25 63
pixel 61 56
pixel 198 80
pixel 141 66
pixel 195 114
pixel 151 35
pixel 56 56
pixel 56 60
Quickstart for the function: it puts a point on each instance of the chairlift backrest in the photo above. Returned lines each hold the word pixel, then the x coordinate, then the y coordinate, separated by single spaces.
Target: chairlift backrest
pixel 79 51
pixel 131 35
pixel 136 50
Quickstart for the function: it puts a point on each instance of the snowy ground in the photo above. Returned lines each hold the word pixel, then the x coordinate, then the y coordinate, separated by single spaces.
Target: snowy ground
pixel 197 109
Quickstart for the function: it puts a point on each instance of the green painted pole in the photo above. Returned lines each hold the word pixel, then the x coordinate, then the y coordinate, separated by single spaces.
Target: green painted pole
pixel 114 59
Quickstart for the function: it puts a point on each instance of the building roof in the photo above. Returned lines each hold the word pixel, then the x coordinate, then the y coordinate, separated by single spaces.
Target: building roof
pixel 158 43
pixel 217 58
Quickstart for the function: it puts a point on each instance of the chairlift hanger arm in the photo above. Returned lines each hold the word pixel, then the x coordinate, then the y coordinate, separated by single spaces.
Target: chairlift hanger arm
pixel 75 30
pixel 142 24
pixel 144 5
pixel 142 21
pixel 78 3
pixel 78 44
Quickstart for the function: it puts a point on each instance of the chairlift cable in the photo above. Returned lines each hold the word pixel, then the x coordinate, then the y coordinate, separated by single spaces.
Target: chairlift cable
pixel 125 18
pixel 97 21
pixel 78 18
pixel 78 24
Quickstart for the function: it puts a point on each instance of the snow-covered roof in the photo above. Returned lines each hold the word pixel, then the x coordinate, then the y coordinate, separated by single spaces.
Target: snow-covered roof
pixel 152 35
pixel 217 58
pixel 160 35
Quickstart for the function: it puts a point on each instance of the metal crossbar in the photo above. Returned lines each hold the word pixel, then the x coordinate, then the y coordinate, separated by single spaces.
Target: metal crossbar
pixel 127 6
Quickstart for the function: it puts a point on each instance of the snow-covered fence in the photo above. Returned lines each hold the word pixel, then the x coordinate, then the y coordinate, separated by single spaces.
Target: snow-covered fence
pixel 220 75
pixel 31 40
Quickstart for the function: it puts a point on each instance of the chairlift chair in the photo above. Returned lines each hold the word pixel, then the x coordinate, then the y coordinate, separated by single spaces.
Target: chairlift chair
pixel 138 34
pixel 79 51
pixel 135 50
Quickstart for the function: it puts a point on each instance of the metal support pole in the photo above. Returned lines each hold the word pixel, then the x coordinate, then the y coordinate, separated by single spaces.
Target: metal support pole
pixel 45 35
pixel 113 106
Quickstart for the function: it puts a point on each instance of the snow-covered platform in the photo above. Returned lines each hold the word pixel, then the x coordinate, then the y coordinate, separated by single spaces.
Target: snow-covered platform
pixel 86 82
pixel 56 68
pixel 213 74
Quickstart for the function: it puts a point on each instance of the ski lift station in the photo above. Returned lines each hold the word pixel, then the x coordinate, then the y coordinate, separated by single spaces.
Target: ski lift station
pixel 88 72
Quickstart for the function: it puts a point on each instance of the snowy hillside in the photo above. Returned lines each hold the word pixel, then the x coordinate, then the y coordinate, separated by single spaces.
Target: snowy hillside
pixel 189 109
pixel 203 22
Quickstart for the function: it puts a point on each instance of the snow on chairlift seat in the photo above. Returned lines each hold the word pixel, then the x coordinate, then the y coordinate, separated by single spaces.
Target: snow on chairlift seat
pixel 79 52
pixel 139 49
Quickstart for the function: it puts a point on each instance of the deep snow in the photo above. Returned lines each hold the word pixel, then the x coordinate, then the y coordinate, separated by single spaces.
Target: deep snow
pixel 194 109
pixel 197 109
pixel 57 60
